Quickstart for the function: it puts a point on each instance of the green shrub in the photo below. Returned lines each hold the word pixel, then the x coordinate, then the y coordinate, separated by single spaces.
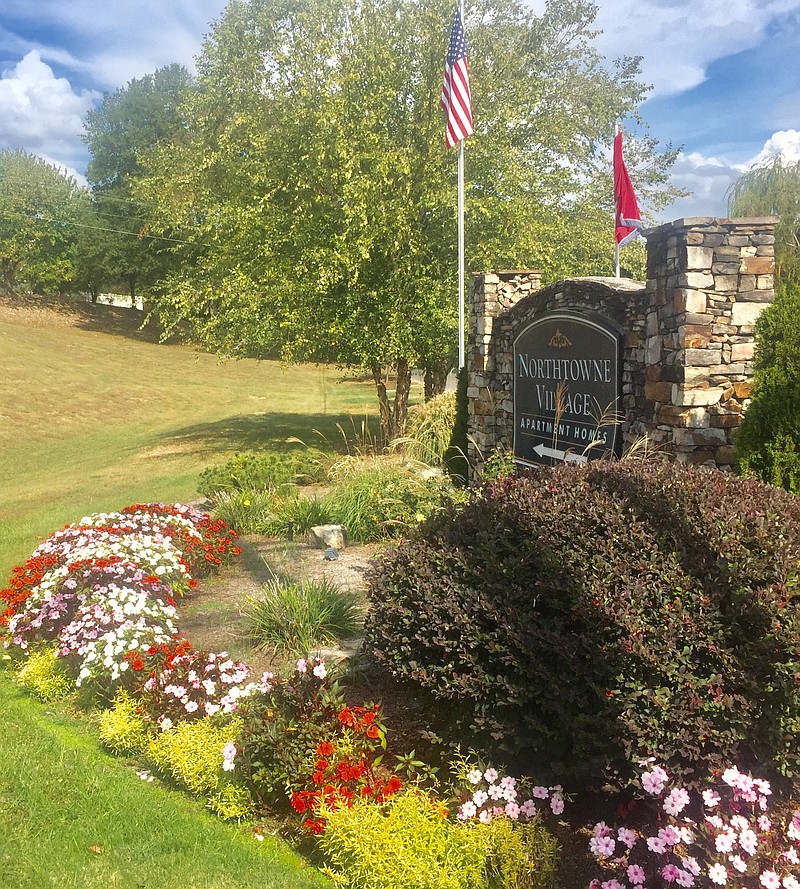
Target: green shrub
pixel 409 843
pixel 455 458
pixel 123 728
pixel 380 500
pixel 244 510
pixel 298 730
pixel 254 472
pixel 768 441
pixel 583 617
pixel 291 514
pixel 429 429
pixel 299 616
pixel 44 675
pixel 498 464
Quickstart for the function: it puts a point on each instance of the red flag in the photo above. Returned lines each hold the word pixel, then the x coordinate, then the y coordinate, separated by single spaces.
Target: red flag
pixel 628 220
pixel 456 96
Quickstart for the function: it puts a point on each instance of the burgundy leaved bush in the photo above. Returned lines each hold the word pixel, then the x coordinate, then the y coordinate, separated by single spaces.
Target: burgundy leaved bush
pixel 580 618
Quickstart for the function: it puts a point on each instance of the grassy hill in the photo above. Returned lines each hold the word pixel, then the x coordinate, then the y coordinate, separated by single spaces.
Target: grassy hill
pixel 96 414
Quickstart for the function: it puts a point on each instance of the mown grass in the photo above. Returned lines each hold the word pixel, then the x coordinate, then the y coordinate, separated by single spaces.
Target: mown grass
pixel 75 818
pixel 91 421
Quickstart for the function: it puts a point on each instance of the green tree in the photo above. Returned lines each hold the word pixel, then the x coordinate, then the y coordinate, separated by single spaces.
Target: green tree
pixel 314 180
pixel 118 249
pixel 773 189
pixel 769 437
pixel 39 205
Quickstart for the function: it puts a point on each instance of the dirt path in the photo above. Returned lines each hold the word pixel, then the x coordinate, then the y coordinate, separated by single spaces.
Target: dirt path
pixel 211 617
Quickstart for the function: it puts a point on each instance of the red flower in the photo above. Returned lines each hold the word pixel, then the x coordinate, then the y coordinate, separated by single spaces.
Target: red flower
pixel 324 748
pixel 373 732
pixel 347 717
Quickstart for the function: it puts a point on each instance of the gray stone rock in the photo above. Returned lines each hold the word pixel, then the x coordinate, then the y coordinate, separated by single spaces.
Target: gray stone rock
pixel 324 536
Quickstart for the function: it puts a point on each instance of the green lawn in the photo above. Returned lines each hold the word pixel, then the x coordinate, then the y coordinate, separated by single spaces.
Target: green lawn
pixel 91 421
pixel 72 817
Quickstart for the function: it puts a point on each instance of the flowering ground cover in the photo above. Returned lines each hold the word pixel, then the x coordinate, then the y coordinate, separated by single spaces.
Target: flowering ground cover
pixel 96 608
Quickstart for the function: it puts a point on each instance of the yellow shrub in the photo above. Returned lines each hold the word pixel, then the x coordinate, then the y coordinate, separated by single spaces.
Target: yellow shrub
pixel 123 728
pixel 192 753
pixel 43 675
pixel 407 844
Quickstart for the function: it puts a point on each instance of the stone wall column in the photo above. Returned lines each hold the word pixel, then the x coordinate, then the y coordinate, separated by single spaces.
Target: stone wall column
pixel 708 281
pixel 491 294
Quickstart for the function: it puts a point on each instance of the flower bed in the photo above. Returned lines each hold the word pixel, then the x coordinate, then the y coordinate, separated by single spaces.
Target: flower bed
pixel 96 608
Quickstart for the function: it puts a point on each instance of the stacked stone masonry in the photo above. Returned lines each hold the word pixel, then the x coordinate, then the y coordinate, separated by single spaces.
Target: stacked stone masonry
pixel 688 337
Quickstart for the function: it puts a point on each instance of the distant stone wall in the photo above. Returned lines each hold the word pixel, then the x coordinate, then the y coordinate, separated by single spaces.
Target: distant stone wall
pixel 687 337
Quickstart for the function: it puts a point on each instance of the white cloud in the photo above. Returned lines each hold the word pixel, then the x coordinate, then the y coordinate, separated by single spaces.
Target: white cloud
pixel 679 39
pixel 709 178
pixel 786 143
pixel 41 112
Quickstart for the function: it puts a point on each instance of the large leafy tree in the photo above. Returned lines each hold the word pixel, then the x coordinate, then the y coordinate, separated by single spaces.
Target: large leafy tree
pixel 313 178
pixel 773 189
pixel 119 249
pixel 39 206
pixel 769 439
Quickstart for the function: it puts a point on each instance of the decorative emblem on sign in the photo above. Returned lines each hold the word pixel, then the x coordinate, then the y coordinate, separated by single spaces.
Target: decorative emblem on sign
pixel 559 341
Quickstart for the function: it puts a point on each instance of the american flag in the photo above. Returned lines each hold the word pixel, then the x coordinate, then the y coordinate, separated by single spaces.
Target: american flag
pixel 456 97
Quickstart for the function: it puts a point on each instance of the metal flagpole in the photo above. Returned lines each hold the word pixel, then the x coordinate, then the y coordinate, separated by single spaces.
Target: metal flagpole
pixel 461 350
pixel 616 243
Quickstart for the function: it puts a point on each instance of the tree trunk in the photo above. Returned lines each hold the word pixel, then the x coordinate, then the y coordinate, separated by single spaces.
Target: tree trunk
pixel 401 393
pixel 393 413
pixel 383 403
pixel 435 379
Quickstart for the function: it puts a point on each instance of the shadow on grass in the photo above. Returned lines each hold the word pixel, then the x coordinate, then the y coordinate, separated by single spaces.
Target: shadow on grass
pixel 270 431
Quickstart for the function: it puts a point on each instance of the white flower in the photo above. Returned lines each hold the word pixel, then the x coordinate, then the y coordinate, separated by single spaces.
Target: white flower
pixel 717 874
pixel 320 672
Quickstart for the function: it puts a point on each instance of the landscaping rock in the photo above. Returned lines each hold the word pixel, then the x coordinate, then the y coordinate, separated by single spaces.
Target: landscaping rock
pixel 324 536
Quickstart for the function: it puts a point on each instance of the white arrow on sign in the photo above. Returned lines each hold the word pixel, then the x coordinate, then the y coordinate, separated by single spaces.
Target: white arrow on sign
pixel 556 454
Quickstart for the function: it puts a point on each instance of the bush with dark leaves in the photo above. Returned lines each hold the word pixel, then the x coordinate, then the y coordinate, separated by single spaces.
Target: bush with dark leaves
pixel 580 618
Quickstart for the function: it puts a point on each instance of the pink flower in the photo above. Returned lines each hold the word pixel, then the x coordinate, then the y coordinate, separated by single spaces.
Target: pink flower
pixel 602 846
pixel 302 665
pixel 670 873
pixel 612 884
pixel 540 792
pixel 627 837
pixel 512 810
pixel 739 863
pixel 228 756
pixel 651 783
pixel 636 874
pixel 764 823
pixel 529 808
pixel 770 880
pixel 495 791
pixel 670 835
pixel 485 816
pixel 657 845
pixel 748 841
pixel 557 803
pixel 677 801
pixel 724 842
pixel 601 829
pixel 711 798
pixel 479 797
pixel 490 775
pixel 691 865
pixel 466 811
pixel 717 874
pixel 684 878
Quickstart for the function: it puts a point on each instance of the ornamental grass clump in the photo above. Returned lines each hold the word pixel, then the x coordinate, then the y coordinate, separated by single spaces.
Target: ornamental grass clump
pixel 298 616
pixel 580 618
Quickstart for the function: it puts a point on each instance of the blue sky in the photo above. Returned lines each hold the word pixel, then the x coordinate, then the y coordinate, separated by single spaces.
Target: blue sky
pixel 725 75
